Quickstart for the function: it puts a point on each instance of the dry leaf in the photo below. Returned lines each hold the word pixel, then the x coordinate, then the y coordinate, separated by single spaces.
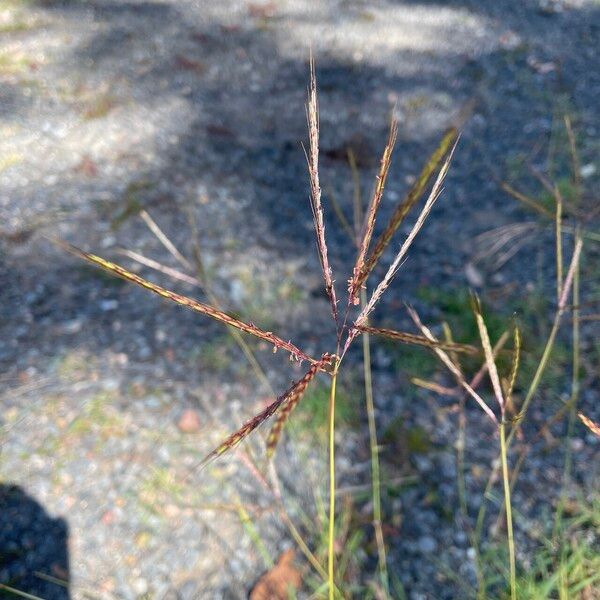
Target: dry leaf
pixel 593 427
pixel 279 581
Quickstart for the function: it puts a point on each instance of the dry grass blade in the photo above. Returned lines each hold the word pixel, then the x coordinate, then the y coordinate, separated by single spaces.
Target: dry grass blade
pixel 418 340
pixel 369 224
pixel 247 428
pixel 433 196
pixel 356 198
pixel 411 198
pixel 432 386
pixel 574 156
pixel 489 355
pixel 500 244
pixel 199 307
pixel 474 383
pixel 339 213
pixel 157 266
pixel 558 233
pixel 164 240
pixel 593 427
pixel 445 359
pixel 312 158
pixel 291 402
pixel 566 288
pixel 526 200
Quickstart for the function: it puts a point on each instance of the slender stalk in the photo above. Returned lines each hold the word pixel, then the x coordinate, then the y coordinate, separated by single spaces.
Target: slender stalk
pixel 559 254
pixel 529 396
pixel 331 535
pixel 533 386
pixel 461 436
pixel 374 447
pixel 251 531
pixel 572 404
pixel 574 157
pixel 509 524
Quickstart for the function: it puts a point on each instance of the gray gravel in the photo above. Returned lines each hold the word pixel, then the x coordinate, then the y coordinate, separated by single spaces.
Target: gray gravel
pixel 185 107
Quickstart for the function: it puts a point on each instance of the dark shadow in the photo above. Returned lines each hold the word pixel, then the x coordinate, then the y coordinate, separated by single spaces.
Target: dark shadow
pixel 34 555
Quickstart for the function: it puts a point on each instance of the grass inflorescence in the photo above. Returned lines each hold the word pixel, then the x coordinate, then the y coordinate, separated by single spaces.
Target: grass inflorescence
pixel 485 347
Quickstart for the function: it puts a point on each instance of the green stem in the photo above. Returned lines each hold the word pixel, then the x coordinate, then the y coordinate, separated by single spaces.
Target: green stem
pixel 375 472
pixel 572 403
pixel 509 524
pixel 538 375
pixel 330 554
pixel 529 396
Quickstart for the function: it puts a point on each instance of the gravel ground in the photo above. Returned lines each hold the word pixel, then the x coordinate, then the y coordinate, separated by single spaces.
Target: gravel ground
pixel 191 108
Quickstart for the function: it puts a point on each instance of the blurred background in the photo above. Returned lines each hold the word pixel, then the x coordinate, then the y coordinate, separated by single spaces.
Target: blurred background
pixel 123 123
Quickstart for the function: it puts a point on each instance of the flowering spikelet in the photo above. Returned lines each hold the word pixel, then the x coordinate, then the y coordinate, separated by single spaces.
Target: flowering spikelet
pixel 191 303
pixel 293 394
pixel 369 224
pixel 289 405
pixel 312 158
pixel 418 340
pixel 405 206
pixel 514 368
pixel 393 268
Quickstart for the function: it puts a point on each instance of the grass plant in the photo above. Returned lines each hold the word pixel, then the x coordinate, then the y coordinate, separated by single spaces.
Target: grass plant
pixel 351 319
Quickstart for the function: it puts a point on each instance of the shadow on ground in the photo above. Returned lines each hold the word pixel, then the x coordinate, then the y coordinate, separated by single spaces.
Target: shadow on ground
pixel 34 551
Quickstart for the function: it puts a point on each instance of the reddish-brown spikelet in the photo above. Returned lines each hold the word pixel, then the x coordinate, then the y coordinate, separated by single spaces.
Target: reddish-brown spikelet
pixel 293 393
pixel 406 204
pixel 418 340
pixel 191 303
pixel 289 405
pixel 312 158
pixel 393 268
pixel 369 224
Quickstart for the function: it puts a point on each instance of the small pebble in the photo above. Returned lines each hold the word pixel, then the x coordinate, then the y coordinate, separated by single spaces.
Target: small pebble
pixel 189 422
pixel 139 586
pixel 427 544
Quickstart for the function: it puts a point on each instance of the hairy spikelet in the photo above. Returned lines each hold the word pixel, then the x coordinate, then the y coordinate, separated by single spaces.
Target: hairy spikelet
pixel 199 307
pixel 514 368
pixel 406 204
pixel 489 354
pixel 312 158
pixel 393 268
pixel 290 403
pixel 293 394
pixel 418 340
pixel 369 224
